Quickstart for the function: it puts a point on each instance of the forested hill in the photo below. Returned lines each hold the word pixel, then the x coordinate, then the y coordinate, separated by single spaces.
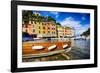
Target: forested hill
pixel 86 33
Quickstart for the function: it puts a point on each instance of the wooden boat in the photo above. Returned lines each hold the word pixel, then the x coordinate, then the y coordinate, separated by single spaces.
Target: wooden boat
pixel 44 49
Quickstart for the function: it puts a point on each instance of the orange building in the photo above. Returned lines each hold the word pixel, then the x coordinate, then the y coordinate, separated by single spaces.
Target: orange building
pixel 29 28
pixel 64 31
pixel 40 29
pixel 68 32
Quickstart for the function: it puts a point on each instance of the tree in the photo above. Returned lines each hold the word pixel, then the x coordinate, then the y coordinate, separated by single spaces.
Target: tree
pixel 27 15
pixel 86 33
pixel 58 23
pixel 51 19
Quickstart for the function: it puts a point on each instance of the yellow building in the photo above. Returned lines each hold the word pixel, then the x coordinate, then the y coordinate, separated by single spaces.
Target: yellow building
pixel 65 31
pixel 60 31
pixel 47 29
pixel 68 32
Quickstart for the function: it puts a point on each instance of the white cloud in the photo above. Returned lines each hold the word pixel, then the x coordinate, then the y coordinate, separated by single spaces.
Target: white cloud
pixel 71 22
pixel 83 18
pixel 82 29
pixel 55 13
pixel 57 16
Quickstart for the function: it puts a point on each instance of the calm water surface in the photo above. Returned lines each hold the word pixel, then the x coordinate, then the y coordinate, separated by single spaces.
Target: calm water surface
pixel 81 49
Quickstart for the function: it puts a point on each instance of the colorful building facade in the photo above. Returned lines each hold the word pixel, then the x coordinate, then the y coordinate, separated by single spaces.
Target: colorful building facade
pixel 46 29
pixel 40 29
pixel 68 32
pixel 60 31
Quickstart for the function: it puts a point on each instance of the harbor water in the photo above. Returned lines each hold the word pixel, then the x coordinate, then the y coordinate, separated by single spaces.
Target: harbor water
pixel 80 49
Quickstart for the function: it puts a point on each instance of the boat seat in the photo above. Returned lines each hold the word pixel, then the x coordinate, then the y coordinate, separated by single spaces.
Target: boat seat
pixel 52 47
pixel 65 46
pixel 37 47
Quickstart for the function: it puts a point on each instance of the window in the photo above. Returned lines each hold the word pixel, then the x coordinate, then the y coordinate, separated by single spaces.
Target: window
pixel 39 32
pixel 26 26
pixel 23 25
pixel 31 22
pixel 35 22
pixel 26 31
pixel 33 30
pixel 39 27
pixel 44 23
pixel 43 31
pixel 43 27
pixel 48 28
pixel 48 31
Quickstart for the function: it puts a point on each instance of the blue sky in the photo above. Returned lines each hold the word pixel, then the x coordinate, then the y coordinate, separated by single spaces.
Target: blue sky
pixel 79 21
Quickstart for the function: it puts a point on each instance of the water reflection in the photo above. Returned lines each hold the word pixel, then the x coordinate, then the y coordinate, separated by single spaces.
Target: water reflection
pixel 81 49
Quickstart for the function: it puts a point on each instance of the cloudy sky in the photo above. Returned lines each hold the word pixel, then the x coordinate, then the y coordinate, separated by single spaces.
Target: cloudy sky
pixel 79 21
